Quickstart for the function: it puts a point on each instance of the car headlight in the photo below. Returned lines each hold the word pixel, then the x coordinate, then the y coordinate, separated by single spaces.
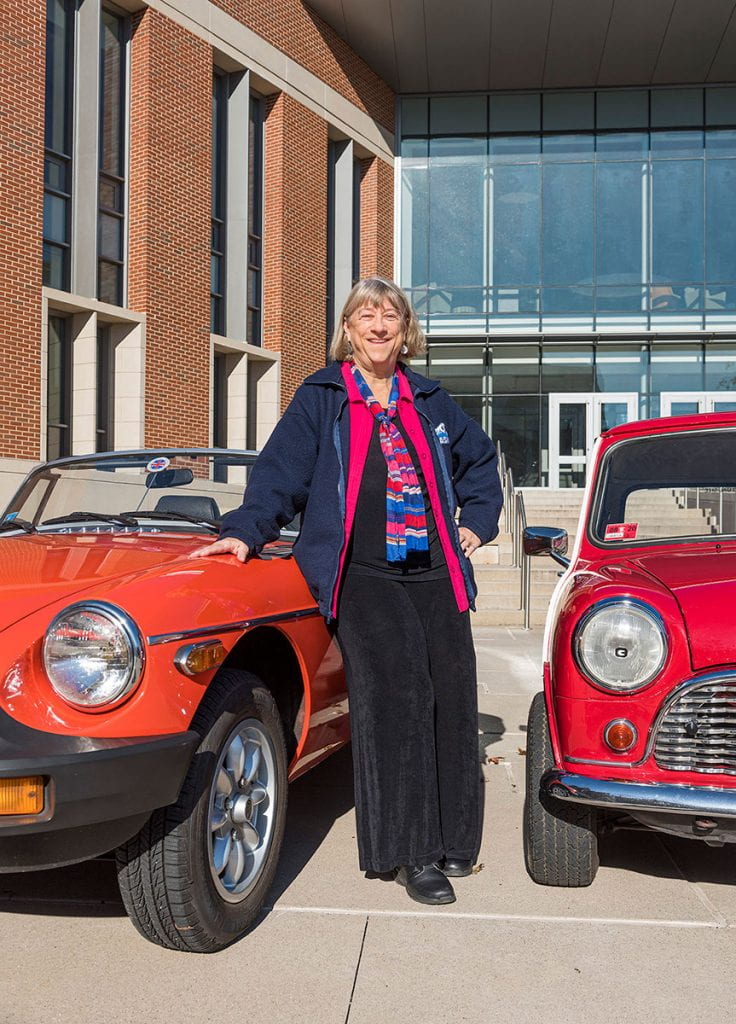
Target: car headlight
pixel 93 654
pixel 620 644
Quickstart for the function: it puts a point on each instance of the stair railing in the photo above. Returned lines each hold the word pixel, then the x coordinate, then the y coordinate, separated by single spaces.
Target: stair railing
pixel 515 524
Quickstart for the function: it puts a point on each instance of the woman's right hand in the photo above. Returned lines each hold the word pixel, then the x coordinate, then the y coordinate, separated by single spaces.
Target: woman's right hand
pixel 226 546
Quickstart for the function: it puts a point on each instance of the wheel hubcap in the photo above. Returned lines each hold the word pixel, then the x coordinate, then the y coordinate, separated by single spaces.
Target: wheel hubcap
pixel 241 809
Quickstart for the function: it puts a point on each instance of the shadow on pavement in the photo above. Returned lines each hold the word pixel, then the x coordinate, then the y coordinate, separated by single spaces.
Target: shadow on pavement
pixel 662 856
pixel 316 800
pixel 80 890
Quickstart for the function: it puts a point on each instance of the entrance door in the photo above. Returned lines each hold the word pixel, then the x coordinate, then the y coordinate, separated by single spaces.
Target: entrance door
pixel 687 403
pixel 575 421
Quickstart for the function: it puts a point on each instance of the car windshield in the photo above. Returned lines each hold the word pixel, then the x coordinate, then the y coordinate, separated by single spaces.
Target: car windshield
pixel 670 486
pixel 181 490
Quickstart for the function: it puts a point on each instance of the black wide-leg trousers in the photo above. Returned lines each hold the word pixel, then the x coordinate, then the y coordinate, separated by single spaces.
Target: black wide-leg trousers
pixel 410 669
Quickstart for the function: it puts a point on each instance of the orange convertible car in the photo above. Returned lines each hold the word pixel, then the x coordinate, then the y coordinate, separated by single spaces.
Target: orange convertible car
pixel 151 703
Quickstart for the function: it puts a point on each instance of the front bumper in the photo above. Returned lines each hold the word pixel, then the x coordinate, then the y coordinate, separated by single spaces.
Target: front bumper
pixel 97 792
pixel 699 811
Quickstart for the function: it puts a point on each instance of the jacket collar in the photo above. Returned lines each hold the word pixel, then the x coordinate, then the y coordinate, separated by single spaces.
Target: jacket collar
pixel 332 375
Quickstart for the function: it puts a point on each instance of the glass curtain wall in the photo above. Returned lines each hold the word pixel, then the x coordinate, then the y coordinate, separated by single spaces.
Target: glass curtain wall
pixel 58 143
pixel 506 385
pixel 111 215
pixel 573 211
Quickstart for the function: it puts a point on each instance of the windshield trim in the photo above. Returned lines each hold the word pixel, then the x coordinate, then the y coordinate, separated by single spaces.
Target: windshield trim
pixel 595 506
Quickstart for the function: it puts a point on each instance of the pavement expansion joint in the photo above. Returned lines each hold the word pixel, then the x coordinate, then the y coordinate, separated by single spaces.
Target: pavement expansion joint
pixel 720 923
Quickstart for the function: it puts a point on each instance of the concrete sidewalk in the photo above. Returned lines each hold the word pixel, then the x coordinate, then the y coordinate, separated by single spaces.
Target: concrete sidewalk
pixel 652 940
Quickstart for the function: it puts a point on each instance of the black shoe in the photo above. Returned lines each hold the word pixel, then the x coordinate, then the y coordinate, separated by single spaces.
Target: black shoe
pixel 453 867
pixel 425 884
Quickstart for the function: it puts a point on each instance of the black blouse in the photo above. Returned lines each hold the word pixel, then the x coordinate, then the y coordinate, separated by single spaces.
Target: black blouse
pixel 367 553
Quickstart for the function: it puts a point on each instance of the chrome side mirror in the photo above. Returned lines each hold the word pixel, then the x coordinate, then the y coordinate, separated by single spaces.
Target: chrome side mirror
pixel 546 540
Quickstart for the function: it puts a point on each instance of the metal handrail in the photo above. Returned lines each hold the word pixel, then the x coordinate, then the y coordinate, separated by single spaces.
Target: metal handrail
pixel 515 523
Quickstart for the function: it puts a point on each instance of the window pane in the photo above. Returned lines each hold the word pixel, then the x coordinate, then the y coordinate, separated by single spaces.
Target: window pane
pixel 666 144
pixel 720 366
pixel 567 234
pixel 720 215
pixel 110 283
pixel 621 368
pixel 54 218
pixel 55 174
pixel 456 211
pixel 516 425
pixel 459 367
pixel 677 368
pixel 720 143
pixel 516 148
pixel 111 237
pixel 517 211
pixel 515 369
pixel 55 262
pixel 112 92
pixel 567 368
pixel 622 145
pixel 58 388
pixel 562 147
pixel 59 29
pixel 677 221
pixel 619 229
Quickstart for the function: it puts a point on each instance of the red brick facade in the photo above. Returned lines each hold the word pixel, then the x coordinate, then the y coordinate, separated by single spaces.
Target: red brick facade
pixel 299 33
pixel 376 218
pixel 169 262
pixel 295 231
pixel 22 47
pixel 169 215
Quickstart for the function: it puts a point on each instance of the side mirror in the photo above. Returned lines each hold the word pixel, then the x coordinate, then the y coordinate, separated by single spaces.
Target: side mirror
pixel 546 540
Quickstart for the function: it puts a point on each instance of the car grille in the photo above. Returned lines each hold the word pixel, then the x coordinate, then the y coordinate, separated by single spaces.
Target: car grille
pixel 698 731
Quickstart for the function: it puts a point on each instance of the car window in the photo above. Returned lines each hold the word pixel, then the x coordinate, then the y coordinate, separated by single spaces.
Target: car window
pixel 669 486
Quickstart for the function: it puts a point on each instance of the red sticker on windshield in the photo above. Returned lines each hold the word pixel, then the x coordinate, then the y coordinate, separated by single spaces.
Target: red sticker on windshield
pixel 621 531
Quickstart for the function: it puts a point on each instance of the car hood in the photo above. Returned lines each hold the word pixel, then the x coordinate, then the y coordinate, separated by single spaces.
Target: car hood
pixel 39 570
pixel 704 585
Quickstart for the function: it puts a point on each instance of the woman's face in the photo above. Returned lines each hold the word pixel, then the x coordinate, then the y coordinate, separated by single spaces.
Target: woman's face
pixel 376 335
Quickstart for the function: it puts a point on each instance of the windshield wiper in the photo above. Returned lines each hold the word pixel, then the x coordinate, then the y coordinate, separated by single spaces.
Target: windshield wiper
pixel 211 524
pixel 17 524
pixel 121 519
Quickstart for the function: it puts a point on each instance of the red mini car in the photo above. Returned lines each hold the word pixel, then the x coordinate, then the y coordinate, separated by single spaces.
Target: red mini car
pixel 151 703
pixel 637 722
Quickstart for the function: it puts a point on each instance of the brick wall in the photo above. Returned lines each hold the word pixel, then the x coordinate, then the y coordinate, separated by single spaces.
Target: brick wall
pixel 22 59
pixel 295 240
pixel 376 218
pixel 169 267
pixel 299 33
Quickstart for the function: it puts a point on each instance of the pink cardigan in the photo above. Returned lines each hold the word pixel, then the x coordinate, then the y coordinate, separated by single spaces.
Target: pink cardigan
pixel 362 423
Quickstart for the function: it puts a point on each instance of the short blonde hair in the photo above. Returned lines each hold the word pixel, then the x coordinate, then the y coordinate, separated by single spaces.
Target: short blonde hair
pixel 373 291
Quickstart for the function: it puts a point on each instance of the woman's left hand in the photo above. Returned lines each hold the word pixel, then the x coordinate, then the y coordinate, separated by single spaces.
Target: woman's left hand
pixel 469 541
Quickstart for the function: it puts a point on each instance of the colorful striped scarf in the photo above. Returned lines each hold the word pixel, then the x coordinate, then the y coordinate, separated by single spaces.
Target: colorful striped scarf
pixel 406 518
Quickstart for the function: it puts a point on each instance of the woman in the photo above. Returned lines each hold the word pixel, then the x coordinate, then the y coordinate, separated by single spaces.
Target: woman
pixel 376 458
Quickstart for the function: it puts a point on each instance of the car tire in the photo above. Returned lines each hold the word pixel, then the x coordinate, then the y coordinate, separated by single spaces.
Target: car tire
pixel 195 877
pixel 560 839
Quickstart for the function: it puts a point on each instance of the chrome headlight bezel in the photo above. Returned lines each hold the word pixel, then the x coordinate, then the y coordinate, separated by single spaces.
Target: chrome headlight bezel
pixel 132 637
pixel 642 608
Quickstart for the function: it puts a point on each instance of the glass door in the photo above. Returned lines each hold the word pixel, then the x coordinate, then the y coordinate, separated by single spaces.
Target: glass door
pixel 575 420
pixel 689 403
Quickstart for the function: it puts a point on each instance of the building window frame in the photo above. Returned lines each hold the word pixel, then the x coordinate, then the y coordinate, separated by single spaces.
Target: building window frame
pixel 59 393
pixel 112 184
pixel 256 181
pixel 58 162
pixel 219 204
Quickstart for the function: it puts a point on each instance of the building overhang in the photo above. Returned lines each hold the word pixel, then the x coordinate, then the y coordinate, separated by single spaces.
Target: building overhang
pixel 436 46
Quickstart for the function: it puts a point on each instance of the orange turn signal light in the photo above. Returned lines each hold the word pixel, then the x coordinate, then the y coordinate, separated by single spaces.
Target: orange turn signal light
pixel 21 796
pixel 196 658
pixel 620 735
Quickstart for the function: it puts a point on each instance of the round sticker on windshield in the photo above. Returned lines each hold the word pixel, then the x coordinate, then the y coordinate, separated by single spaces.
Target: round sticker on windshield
pixel 157 464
